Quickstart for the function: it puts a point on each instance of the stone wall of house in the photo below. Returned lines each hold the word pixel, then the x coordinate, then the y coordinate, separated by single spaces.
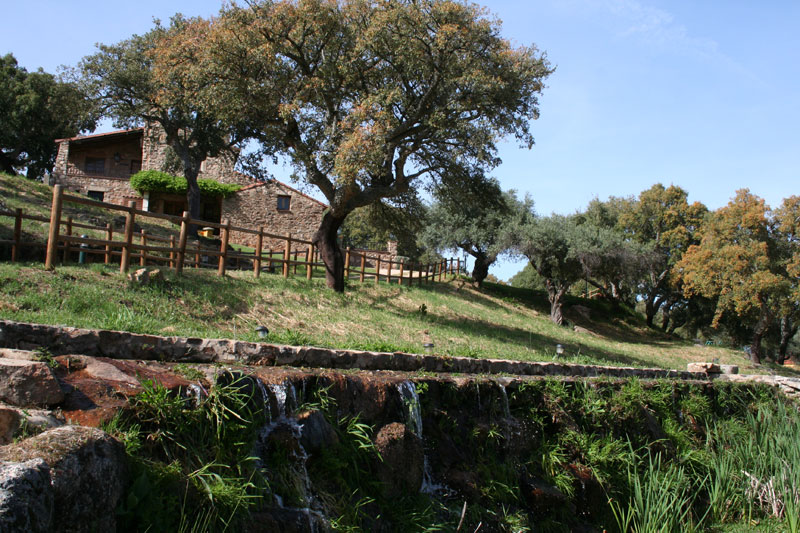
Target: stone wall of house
pixel 155 154
pixel 257 205
pixel 122 156
pixel 115 190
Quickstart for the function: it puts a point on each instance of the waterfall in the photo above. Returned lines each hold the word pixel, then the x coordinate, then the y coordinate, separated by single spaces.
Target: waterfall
pixel 504 400
pixel 408 393
pixel 196 392
pixel 279 392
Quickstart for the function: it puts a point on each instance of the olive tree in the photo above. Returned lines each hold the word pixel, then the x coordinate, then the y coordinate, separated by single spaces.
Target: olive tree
pixel 471 218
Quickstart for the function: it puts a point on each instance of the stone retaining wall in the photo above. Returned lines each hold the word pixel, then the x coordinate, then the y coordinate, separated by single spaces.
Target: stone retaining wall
pixel 123 345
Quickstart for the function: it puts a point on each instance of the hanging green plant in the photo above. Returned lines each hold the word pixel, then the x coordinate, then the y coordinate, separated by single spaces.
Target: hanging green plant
pixel 156 181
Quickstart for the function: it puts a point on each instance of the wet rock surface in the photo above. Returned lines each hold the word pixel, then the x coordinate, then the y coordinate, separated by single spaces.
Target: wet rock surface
pixel 402 460
pixel 480 432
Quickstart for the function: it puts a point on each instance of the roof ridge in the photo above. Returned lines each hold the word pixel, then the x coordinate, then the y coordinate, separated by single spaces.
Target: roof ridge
pixel 95 135
pixel 260 183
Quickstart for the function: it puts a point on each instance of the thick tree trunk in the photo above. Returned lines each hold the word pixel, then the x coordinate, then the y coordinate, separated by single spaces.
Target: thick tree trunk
pixel 481 268
pixel 192 195
pixel 788 330
pixel 758 334
pixel 556 298
pixel 666 314
pixel 325 239
pixel 652 304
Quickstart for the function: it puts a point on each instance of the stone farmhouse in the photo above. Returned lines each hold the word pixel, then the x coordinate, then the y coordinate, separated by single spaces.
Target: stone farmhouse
pixel 101 165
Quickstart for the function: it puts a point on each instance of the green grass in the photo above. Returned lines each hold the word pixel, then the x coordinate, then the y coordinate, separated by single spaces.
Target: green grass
pixel 496 322
pixel 34 198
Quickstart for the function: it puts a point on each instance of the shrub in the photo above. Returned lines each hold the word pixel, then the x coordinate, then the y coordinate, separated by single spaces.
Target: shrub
pixel 156 181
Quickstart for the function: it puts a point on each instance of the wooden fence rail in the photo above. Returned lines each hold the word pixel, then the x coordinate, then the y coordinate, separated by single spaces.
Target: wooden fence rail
pixel 149 249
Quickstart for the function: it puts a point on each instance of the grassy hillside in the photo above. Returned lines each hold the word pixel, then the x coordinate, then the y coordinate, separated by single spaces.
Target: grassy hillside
pixel 34 198
pixel 498 322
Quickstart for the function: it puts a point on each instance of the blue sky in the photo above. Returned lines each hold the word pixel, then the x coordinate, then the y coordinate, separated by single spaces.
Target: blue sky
pixel 702 94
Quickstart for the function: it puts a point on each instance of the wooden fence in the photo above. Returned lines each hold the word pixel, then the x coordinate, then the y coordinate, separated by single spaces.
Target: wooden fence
pixel 145 249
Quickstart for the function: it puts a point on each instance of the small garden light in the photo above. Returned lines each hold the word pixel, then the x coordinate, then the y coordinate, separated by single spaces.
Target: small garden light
pixel 428 347
pixel 263 332
pixel 559 349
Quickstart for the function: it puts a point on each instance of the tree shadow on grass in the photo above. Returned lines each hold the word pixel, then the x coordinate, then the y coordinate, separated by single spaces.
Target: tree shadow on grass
pixel 520 337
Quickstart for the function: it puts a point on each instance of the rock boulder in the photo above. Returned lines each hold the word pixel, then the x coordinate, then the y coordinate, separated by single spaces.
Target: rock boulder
pixel 86 470
pixel 28 383
pixel 26 497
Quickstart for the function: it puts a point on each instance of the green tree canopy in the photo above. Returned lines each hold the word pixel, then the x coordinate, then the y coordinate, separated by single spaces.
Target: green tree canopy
pixel 35 110
pixel 370 99
pixel 663 219
pixel 398 219
pixel 549 244
pixel 146 79
pixel 471 218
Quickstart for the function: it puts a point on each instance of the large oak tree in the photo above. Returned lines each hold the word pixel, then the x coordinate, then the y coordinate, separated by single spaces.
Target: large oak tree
pixel 369 100
pixel 738 263
pixel 662 218
pixel 150 79
pixel 36 108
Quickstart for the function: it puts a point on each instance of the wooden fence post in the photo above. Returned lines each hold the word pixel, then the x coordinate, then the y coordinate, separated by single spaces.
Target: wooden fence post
pixel 223 248
pixel 142 254
pixel 458 266
pixel 67 243
pixel 55 221
pixel 17 236
pixel 180 253
pixel 130 216
pixel 363 266
pixel 389 272
pixel 173 251
pixel 419 280
pixel 441 268
pixel 402 268
pixel 347 263
pixel 310 261
pixel 109 237
pixel 287 250
pixel 259 246
pixel 377 270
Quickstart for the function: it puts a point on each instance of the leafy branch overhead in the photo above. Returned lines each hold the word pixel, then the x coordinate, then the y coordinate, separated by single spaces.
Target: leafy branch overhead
pixel 369 100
